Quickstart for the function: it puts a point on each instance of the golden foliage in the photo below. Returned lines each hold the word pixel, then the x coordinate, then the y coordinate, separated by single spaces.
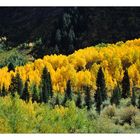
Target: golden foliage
pixel 82 66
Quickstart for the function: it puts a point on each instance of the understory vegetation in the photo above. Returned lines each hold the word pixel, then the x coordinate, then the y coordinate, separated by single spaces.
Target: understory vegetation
pixel 18 116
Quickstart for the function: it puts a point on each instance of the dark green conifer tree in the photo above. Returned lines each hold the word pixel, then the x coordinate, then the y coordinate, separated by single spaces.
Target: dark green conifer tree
pixel 18 84
pixel 67 30
pixel 3 91
pixel 133 97
pixel 25 95
pixel 50 85
pixel 12 87
pixel 125 85
pixel 79 100
pixel 101 85
pixel 88 102
pixel 98 100
pixel 116 96
pixel 34 94
pixel 100 94
pixel 68 92
pixel 45 91
pixel 46 86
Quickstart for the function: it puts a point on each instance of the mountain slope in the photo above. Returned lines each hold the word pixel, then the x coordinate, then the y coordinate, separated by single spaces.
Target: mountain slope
pixel 101 24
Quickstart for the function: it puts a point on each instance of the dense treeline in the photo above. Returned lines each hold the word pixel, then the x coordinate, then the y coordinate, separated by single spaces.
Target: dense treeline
pixel 81 68
pixel 45 91
pixel 64 30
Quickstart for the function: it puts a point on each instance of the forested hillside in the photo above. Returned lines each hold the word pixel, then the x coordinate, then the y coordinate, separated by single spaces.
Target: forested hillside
pixel 63 30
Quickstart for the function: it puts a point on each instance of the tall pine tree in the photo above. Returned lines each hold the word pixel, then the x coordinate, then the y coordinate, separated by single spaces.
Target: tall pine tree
pixel 88 102
pixel 101 85
pixel 68 92
pixel 100 94
pixel 79 100
pixel 67 30
pixel 45 92
pixel 125 85
pixel 12 87
pixel 25 95
pixel 98 100
pixel 16 85
pixel 3 91
pixel 34 94
pixel 50 85
pixel 46 86
pixel 116 96
pixel 19 84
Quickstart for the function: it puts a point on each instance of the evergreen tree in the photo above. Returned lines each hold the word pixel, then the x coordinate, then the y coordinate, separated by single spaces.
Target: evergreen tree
pixel 67 30
pixel 79 100
pixel 45 91
pixel 87 98
pixel 12 87
pixel 133 98
pixel 50 85
pixel 25 95
pixel 11 67
pixel 40 94
pixel 34 94
pixel 139 102
pixel 19 84
pixel 16 85
pixel 68 92
pixel 46 86
pixel 116 96
pixel 100 94
pixel 98 100
pixel 57 102
pixel 3 91
pixel 100 83
pixel 125 85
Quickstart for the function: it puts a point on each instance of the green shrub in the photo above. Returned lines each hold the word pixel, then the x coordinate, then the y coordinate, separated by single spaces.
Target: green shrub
pixel 92 113
pixel 136 120
pixel 126 114
pixel 75 119
pixel 125 102
pixel 12 56
pixel 109 111
pixel 104 125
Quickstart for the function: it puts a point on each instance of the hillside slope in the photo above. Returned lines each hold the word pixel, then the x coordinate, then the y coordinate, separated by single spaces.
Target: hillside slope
pixel 101 24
